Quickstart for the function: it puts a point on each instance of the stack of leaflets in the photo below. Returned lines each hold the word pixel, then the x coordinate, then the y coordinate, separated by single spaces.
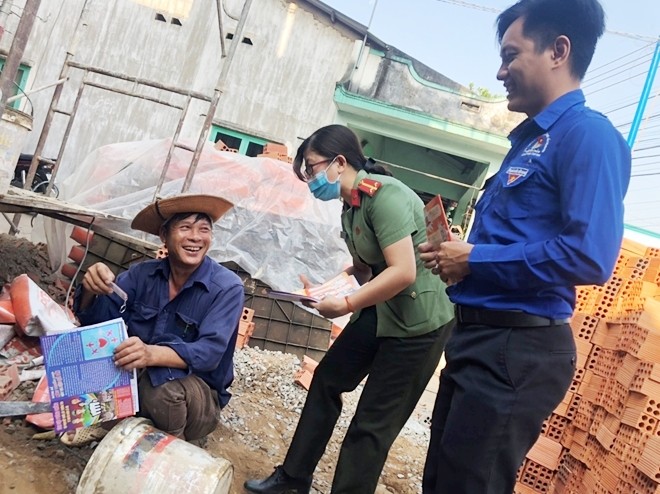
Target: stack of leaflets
pixel 339 286
pixel 85 386
pixel 437 226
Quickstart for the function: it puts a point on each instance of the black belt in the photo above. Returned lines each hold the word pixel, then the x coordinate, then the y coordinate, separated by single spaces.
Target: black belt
pixel 504 318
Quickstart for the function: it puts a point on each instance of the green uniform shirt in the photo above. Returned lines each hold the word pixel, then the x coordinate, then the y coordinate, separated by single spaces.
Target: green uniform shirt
pixel 391 214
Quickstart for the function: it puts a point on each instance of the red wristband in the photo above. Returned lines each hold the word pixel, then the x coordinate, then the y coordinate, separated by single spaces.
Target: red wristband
pixel 349 305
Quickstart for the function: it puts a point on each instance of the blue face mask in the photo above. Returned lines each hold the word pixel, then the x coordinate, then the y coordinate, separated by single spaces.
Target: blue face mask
pixel 322 188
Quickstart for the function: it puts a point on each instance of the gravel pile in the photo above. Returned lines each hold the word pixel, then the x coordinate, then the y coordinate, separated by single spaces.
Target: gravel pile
pixel 267 405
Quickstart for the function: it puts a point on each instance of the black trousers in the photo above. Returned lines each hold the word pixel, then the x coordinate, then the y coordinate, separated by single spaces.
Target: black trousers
pixel 398 369
pixel 497 388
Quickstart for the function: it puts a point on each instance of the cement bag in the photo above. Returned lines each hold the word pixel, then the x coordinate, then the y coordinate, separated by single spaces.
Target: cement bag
pixel 42 420
pixel 36 313
pixel 6 307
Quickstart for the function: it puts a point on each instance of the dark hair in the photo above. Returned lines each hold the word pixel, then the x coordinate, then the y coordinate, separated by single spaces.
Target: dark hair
pixel 175 218
pixel 582 21
pixel 331 141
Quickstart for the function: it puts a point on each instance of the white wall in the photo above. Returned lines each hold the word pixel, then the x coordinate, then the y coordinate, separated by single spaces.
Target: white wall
pixel 269 92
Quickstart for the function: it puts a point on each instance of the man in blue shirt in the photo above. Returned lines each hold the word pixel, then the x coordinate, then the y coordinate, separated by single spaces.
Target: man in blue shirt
pixel 550 219
pixel 182 315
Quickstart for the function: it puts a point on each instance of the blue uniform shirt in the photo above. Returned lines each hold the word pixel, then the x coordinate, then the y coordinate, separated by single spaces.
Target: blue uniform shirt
pixel 200 324
pixel 552 217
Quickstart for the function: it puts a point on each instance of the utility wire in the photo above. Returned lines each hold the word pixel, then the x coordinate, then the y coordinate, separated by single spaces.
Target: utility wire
pixel 633 102
pixel 657 146
pixel 475 6
pixel 472 6
pixel 650 117
pixel 618 82
pixel 656 163
pixel 652 155
pixel 648 219
pixel 605 75
pixel 641 202
pixel 595 69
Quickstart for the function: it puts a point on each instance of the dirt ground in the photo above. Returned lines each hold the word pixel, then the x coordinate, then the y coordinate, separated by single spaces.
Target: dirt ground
pixel 254 433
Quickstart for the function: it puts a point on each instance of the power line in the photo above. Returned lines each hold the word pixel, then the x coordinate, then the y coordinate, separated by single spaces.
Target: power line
pixel 633 101
pixel 641 202
pixel 648 220
pixel 636 165
pixel 599 77
pixel 651 117
pixel 635 175
pixel 475 6
pixel 647 148
pixel 472 6
pixel 622 57
pixel 614 110
pixel 653 155
pixel 619 82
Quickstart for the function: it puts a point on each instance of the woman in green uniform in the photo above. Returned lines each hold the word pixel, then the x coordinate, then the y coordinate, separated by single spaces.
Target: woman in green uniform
pixel 400 320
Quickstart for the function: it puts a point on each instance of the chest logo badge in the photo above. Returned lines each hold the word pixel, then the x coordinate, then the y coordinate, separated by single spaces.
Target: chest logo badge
pixel 357 230
pixel 514 174
pixel 538 146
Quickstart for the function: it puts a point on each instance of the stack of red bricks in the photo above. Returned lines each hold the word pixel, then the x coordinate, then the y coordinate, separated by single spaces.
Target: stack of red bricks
pixel 76 256
pixel 245 328
pixel 604 438
pixel 276 151
pixel 221 146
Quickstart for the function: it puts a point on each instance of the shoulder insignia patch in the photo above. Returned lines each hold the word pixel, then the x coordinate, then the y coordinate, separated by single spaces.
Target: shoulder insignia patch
pixel 369 186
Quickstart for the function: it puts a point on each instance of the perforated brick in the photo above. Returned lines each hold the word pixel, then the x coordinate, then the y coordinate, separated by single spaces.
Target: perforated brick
pixel 584 325
pixel 536 476
pixel 598 418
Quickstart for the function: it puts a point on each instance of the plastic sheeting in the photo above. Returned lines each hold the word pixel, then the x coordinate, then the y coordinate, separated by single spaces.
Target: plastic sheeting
pixel 276 231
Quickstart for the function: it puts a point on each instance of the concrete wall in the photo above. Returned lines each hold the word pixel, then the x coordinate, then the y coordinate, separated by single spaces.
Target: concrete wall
pixel 397 81
pixel 279 88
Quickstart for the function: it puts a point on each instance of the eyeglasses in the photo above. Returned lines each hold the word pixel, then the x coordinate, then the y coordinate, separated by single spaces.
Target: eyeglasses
pixel 309 167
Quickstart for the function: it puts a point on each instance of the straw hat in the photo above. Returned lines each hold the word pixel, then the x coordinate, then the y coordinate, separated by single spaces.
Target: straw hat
pixel 151 218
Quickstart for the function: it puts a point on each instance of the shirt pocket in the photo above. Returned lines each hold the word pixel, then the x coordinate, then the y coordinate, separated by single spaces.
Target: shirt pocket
pixel 143 313
pixel 142 321
pixel 413 306
pixel 185 327
pixel 514 198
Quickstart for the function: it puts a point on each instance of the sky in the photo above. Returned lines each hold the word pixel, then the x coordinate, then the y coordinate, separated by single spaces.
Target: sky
pixel 459 42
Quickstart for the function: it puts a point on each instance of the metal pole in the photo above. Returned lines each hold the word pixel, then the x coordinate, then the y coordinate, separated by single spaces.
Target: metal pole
pixel 238 36
pixel 24 94
pixel 220 28
pixel 364 41
pixel 16 51
pixel 45 129
pixel 219 89
pixel 358 60
pixel 637 120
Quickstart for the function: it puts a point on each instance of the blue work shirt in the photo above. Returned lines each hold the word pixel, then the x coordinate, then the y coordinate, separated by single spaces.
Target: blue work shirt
pixel 552 217
pixel 200 324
